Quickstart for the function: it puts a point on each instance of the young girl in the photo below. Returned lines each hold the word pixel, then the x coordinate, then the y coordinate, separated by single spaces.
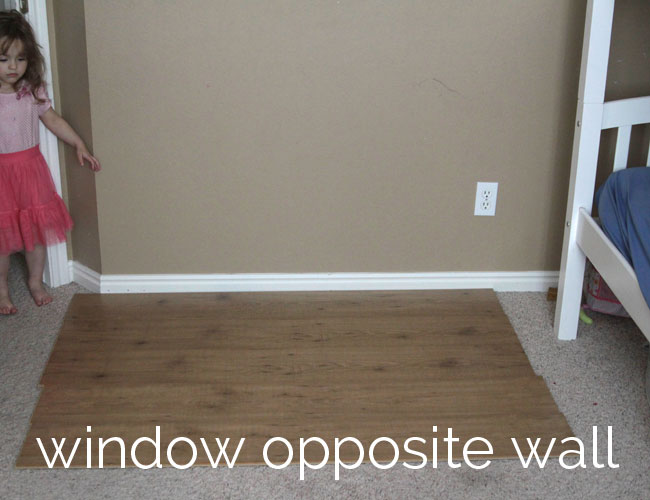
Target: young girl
pixel 32 214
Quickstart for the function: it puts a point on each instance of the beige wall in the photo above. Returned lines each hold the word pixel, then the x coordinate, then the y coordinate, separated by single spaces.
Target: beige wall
pixel 67 17
pixel 628 76
pixel 293 136
pixel 629 69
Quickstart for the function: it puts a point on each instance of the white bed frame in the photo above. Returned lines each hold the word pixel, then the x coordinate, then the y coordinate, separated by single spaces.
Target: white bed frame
pixel 582 236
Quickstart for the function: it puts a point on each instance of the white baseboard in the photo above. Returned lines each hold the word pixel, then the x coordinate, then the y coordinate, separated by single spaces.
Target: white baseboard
pixel 85 276
pixel 529 281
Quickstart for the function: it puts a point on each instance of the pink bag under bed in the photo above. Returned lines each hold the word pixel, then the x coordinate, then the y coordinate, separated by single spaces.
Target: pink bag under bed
pixel 598 296
pixel 31 211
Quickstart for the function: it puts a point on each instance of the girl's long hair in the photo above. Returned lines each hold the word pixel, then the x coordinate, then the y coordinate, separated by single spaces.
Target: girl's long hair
pixel 13 26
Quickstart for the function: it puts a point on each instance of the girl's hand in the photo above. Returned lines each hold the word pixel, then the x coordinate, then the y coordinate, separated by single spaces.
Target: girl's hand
pixel 66 133
pixel 83 154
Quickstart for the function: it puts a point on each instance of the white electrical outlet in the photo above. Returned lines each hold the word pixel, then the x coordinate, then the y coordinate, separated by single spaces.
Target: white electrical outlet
pixel 486 198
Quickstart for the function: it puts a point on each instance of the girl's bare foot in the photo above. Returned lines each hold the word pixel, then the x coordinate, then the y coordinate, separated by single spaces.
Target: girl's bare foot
pixel 35 265
pixel 39 294
pixel 6 306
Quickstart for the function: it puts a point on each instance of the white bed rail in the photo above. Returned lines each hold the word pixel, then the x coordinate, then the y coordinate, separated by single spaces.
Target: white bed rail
pixel 592 117
pixel 584 160
pixel 623 115
pixel 626 112
pixel 615 270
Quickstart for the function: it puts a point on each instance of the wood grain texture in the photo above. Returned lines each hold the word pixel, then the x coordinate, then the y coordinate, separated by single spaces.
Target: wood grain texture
pixel 260 365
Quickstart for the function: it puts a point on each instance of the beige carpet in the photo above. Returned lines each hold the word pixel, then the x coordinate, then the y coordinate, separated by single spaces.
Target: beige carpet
pixel 291 365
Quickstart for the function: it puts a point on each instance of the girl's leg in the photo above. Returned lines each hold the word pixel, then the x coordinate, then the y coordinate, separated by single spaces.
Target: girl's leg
pixel 35 265
pixel 6 306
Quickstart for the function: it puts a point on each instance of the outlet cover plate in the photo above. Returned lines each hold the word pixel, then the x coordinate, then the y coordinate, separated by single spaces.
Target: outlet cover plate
pixel 486 198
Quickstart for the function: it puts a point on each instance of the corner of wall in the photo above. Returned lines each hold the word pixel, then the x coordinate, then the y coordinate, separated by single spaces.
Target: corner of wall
pixel 70 74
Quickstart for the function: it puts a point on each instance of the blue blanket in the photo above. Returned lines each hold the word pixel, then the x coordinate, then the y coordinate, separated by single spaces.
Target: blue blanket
pixel 624 209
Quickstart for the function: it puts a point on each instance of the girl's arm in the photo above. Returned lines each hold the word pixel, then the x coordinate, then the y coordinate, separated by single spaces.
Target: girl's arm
pixel 59 127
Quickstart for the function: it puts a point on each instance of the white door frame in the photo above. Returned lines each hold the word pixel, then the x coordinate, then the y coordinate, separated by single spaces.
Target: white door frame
pixel 57 269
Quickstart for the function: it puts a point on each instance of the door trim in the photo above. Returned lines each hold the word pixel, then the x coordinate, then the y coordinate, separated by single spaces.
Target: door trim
pixel 57 269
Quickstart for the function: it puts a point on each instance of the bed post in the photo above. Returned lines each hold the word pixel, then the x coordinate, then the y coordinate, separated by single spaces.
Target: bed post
pixel 586 142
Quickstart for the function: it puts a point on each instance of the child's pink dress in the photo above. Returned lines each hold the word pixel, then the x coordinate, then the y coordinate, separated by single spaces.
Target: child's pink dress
pixel 31 211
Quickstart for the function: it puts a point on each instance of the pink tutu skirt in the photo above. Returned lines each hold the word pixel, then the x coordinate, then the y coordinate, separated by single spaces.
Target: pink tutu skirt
pixel 31 211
